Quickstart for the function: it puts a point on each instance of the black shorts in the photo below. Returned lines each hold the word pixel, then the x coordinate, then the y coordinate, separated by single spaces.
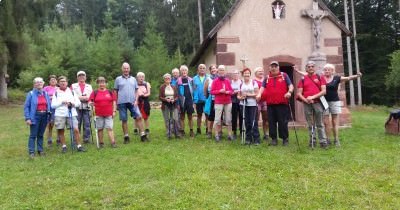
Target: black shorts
pixel 187 108
pixel 211 117
pixel 200 108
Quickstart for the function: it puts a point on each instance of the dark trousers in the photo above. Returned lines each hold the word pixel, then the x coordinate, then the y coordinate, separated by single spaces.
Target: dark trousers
pixel 235 117
pixel 84 118
pixel 278 115
pixel 36 132
pixel 251 124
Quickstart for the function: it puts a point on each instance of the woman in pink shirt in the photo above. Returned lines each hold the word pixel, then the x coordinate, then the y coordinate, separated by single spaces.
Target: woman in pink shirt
pixel 51 89
pixel 222 90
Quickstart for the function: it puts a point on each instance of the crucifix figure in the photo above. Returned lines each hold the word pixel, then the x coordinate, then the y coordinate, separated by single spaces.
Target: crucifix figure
pixel 244 59
pixel 277 10
pixel 316 15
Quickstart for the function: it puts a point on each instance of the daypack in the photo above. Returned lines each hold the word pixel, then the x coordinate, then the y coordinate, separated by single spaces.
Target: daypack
pixel 95 94
pixel 264 93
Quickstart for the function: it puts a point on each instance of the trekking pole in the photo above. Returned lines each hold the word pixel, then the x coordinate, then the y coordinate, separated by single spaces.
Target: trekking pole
pixel 243 122
pixel 312 130
pixel 294 126
pixel 90 122
pixel 71 127
pixel 95 127
pixel 169 123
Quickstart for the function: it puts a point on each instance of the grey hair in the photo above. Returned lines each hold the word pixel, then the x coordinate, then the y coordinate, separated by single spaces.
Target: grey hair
pixel 329 66
pixel 140 74
pixel 38 79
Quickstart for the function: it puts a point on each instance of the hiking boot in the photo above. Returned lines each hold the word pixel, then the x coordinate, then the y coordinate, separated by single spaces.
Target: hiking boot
pixel 257 144
pixel 198 131
pixel 266 137
pixel 234 137
pixel 209 135
pixel 41 153
pixel 135 131
pixel 31 155
pixel 86 141
pixel 101 144
pixel 328 141
pixel 113 145
pixel 182 132
pixel 230 138
pixel 323 145
pixel 126 140
pixel 285 142
pixel 177 136
pixel 64 150
pixel 143 138
pixel 191 133
pixel 147 131
pixel 336 142
pixel 247 143
pixel 81 149
pixel 58 142
pixel 274 142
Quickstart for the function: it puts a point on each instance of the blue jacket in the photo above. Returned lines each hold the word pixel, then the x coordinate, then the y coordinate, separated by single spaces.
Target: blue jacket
pixel 31 104
pixel 198 89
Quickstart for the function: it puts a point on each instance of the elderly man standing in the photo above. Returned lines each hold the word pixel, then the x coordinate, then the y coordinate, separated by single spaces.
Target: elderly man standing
pixel 126 88
pixel 83 91
pixel 199 98
pixel 310 88
pixel 276 90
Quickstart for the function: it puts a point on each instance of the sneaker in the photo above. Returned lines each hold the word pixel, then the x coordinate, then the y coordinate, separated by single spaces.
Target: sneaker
pixel 177 136
pixel 198 131
pixel 32 155
pixel 324 145
pixel 147 131
pixel 274 142
pixel 41 153
pixel 113 145
pixel 86 141
pixel 182 132
pixel 234 137
pixel 266 137
pixel 126 140
pixel 64 150
pixel 230 138
pixel 191 133
pixel 285 142
pixel 101 144
pixel 257 144
pixel 247 143
pixel 81 149
pixel 209 135
pixel 328 141
pixel 135 131
pixel 336 142
pixel 49 142
pixel 217 138
pixel 143 138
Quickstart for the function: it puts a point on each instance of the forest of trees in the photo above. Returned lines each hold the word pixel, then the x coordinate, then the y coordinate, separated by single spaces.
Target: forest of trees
pixel 42 37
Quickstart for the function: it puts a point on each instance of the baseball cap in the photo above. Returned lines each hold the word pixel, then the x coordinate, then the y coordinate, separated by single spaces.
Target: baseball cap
pixel 80 73
pixel 274 63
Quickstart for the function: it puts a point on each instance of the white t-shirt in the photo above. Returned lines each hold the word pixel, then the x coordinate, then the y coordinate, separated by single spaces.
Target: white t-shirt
pixel 249 88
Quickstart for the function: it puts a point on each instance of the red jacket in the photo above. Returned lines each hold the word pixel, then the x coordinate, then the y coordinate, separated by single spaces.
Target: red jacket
pixel 216 86
pixel 275 88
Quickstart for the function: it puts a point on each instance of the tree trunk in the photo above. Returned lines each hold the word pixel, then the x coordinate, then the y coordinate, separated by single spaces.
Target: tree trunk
pixel 3 82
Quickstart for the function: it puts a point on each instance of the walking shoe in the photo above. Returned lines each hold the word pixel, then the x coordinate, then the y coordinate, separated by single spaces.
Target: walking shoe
pixel 266 137
pixel 101 144
pixel 81 149
pixel 230 138
pixel 312 143
pixel 41 153
pixel 234 137
pixel 64 150
pixel 336 142
pixel 113 145
pixel 217 138
pixel 86 141
pixel 324 145
pixel 177 136
pixel 247 143
pixel 135 131
pixel 274 142
pixel 285 142
pixel 147 131
pixel 328 141
pixel 182 132
pixel 58 142
pixel 191 133
pixel 143 138
pixel 32 155
pixel 209 135
pixel 126 140
pixel 49 142
pixel 198 131
pixel 257 144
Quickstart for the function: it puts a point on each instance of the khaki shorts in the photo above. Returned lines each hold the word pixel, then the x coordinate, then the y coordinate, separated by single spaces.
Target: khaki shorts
pixel 61 122
pixel 227 110
pixel 104 122
pixel 335 107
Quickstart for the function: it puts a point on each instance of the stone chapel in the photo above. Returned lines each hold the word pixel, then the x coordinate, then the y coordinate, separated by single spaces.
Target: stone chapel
pixel 255 32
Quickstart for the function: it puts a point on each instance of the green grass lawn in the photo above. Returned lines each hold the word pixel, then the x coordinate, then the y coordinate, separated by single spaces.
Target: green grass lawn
pixel 201 174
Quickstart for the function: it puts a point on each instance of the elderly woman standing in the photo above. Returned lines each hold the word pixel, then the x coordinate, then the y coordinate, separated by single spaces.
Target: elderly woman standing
pixel 247 96
pixel 36 110
pixel 169 97
pixel 332 96
pixel 144 90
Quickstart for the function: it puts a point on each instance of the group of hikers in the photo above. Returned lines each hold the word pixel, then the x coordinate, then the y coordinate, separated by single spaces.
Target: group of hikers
pixel 224 99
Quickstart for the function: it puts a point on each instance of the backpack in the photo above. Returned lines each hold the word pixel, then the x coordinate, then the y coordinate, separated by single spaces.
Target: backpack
pixel 95 94
pixel 264 93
